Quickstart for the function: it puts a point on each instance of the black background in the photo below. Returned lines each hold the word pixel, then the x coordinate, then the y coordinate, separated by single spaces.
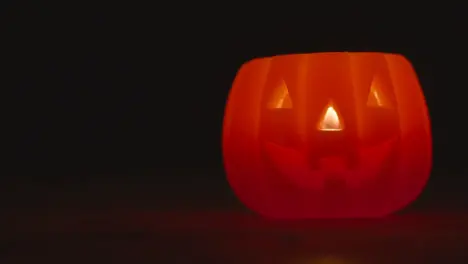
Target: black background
pixel 104 98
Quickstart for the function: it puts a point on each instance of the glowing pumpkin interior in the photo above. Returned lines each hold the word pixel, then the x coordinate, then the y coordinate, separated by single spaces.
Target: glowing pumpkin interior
pixel 327 135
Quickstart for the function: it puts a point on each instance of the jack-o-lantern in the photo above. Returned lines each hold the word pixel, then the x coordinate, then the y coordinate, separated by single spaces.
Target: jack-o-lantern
pixel 327 135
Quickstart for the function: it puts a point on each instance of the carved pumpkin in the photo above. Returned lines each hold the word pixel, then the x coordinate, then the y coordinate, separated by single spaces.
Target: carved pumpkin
pixel 327 135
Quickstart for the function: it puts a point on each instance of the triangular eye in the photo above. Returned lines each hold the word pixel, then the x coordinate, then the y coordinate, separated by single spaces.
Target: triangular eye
pixel 280 97
pixel 377 97
pixel 330 120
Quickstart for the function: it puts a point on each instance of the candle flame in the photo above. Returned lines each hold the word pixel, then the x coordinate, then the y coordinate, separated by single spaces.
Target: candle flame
pixel 330 120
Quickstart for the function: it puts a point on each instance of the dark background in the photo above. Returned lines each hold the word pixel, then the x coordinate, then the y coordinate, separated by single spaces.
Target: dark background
pixel 120 106
pixel 119 103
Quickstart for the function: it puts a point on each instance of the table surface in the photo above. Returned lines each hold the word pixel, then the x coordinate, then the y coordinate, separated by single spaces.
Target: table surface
pixel 227 236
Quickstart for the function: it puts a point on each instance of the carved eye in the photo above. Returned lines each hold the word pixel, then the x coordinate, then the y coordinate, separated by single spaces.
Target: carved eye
pixel 278 119
pixel 381 117
pixel 280 98
pixel 379 94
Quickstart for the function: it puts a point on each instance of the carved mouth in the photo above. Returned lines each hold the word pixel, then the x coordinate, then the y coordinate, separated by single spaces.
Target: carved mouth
pixel 293 165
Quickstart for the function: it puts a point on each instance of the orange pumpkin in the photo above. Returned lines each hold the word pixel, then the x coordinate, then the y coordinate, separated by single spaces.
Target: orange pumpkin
pixel 327 135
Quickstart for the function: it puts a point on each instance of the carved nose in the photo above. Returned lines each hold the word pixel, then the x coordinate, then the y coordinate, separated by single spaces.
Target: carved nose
pixel 331 147
pixel 330 121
